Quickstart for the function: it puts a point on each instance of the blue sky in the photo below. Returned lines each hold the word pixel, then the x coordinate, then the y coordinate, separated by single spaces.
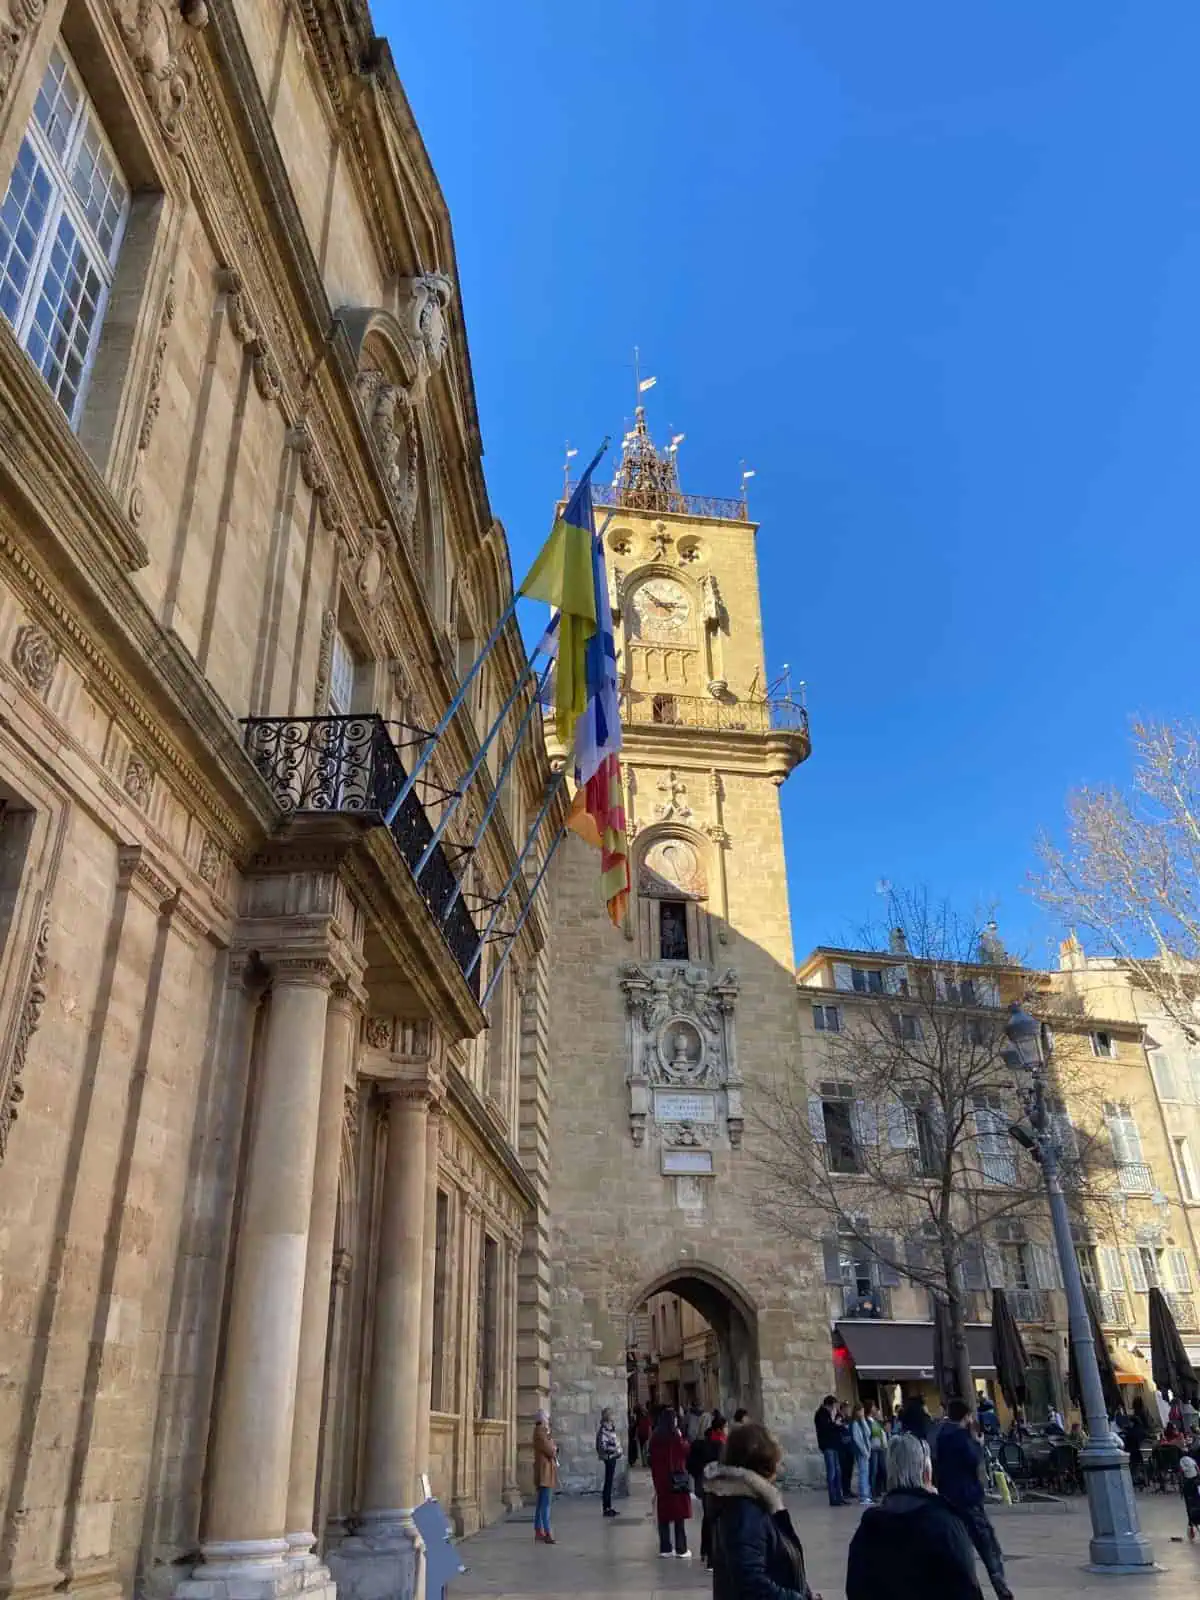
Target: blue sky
pixel 933 270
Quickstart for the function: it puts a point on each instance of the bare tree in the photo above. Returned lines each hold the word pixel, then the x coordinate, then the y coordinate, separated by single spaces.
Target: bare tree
pixel 1129 873
pixel 900 1147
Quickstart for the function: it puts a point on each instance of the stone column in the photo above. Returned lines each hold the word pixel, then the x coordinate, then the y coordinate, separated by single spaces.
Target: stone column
pixel 512 1488
pixel 428 1273
pixel 382 1561
pixel 341 1027
pixel 245 1541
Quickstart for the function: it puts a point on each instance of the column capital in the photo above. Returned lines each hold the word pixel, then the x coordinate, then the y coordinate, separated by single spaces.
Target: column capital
pixel 418 1085
pixel 304 970
pixel 347 994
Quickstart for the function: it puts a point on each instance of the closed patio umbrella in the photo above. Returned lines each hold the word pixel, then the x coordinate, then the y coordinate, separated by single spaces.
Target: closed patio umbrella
pixel 1174 1376
pixel 945 1370
pixel 1104 1360
pixel 1008 1352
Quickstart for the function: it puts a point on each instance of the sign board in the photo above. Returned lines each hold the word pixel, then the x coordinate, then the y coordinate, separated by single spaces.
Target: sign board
pixel 696 1162
pixel 670 1106
pixel 441 1558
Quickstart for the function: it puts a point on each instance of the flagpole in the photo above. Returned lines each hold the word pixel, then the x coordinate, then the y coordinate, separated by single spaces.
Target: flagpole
pixel 521 920
pixel 490 808
pixel 461 692
pixel 530 840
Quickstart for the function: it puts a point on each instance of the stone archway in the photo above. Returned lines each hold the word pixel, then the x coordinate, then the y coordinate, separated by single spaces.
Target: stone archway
pixel 731 1315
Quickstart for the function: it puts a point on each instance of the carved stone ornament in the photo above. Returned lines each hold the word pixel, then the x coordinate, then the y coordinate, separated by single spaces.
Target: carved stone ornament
pixel 713 605
pixel 393 423
pixel 154 399
pixel 674 803
pixel 34 657
pixel 350 1109
pixel 153 31
pixel 377 1031
pixel 31 1018
pixel 431 294
pixel 212 858
pixel 139 781
pixel 372 575
pixel 673 865
pixel 690 1135
pixel 680 1038
pixel 16 19
pixel 324 663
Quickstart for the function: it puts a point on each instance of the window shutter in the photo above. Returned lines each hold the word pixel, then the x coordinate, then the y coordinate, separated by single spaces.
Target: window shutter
pixel 1045 1267
pixel 1137 1272
pixel 987 991
pixel 1133 1139
pixel 940 987
pixel 842 977
pixel 866 1123
pixel 832 1257
pixel 916 1254
pixel 1163 1070
pixel 895 980
pixel 816 1118
pixel 1181 1275
pixel 995 1266
pixel 901 1125
pixel 1112 1270
pixel 1064 1132
pixel 887 1254
pixel 1115 1124
pixel 973 1271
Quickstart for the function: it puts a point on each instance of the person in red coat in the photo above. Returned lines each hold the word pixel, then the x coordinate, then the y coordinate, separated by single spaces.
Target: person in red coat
pixel 672 1486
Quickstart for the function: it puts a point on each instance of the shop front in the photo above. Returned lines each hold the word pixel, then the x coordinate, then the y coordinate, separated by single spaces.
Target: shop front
pixel 890 1362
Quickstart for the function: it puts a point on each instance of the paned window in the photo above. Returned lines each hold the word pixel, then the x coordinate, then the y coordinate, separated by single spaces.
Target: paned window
pixel 827 1019
pixel 61 225
pixel 672 930
pixel 341 677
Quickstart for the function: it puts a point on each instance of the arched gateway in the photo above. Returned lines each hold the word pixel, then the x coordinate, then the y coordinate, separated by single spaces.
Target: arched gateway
pixel 663 1033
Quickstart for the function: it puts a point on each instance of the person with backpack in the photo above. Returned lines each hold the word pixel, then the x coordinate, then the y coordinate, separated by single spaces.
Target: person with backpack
pixel 608 1448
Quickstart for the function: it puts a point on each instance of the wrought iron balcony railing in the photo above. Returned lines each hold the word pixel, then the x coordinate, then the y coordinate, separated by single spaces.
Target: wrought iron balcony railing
pixel 1183 1309
pixel 657 499
pixel 1114 1310
pixel 1134 1177
pixel 1026 1305
pixel 352 764
pixel 703 711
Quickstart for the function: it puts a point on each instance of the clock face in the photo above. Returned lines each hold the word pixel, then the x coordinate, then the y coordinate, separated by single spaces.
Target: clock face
pixel 661 609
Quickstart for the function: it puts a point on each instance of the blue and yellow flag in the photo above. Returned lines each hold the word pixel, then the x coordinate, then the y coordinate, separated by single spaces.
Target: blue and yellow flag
pixel 562 575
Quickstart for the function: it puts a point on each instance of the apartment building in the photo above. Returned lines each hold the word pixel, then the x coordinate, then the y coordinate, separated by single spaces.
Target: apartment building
pixel 1127 1162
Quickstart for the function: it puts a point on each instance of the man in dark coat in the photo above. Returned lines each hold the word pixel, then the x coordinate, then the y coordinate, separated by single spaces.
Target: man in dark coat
pixel 960 1484
pixel 756 1554
pixel 829 1443
pixel 911 1547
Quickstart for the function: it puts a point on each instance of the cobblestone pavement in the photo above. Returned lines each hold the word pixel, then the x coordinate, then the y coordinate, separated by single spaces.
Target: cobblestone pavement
pixel 599 1559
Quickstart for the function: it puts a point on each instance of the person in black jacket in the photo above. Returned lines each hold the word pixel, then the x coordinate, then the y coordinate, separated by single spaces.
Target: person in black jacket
pixel 756 1554
pixel 912 1546
pixel 829 1443
pixel 960 1465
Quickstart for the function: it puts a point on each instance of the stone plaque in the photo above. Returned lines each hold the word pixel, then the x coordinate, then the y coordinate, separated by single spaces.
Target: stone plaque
pixel 670 1107
pixel 699 1162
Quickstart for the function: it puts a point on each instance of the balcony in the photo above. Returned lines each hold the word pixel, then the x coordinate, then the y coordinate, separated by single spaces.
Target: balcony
pixel 1133 1177
pixel 1114 1310
pixel 656 497
pixel 351 766
pixel 1026 1305
pixel 873 1306
pixel 1183 1309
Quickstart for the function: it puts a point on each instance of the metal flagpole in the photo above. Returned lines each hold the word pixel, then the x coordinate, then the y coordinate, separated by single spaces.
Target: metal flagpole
pixel 460 693
pixel 520 922
pixel 490 809
pixel 517 865
pixel 468 777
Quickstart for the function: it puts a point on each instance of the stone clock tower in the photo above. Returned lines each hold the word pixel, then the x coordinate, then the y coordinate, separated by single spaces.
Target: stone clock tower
pixel 661 1031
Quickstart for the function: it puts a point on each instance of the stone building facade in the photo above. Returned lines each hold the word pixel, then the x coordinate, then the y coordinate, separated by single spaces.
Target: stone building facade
pixel 269 1194
pixel 662 1031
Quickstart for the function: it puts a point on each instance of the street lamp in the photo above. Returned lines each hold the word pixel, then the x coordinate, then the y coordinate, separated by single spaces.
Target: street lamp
pixel 1117 1544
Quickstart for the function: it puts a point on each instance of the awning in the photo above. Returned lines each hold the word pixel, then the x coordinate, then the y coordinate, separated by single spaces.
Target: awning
pixel 903 1350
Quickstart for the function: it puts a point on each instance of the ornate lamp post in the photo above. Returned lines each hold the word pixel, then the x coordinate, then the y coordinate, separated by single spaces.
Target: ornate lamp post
pixel 1117 1543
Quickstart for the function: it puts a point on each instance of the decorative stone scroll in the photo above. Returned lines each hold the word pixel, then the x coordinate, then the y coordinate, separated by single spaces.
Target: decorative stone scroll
pixel 35 658
pixel 31 1019
pixel 390 412
pixel 153 33
pixel 682 1063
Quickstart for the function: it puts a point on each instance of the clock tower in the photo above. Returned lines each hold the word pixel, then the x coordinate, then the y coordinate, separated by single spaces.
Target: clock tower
pixel 661 1031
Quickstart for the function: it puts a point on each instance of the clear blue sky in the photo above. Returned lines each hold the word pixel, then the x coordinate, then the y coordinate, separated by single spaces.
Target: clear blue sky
pixel 933 270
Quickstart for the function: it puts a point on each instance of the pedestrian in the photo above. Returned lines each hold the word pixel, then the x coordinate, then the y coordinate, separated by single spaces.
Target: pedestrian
pixel 960 1469
pixel 878 1451
pixel 1054 1423
pixel 644 1430
pixel 914 1418
pixel 702 1455
pixel 739 1416
pixel 608 1448
pixel 1189 1488
pixel 545 1476
pixel 632 1420
pixel 845 1450
pixel 672 1486
pixel 989 1420
pixel 756 1554
pixel 692 1428
pixel 912 1546
pixel 860 1440
pixel 829 1444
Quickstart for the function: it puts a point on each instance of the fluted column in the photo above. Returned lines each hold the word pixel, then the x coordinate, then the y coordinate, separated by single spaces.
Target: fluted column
pixel 428 1273
pixel 245 1539
pixel 389 1486
pixel 341 1026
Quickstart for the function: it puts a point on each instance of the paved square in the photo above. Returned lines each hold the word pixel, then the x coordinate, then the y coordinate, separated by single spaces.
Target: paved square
pixel 595 1559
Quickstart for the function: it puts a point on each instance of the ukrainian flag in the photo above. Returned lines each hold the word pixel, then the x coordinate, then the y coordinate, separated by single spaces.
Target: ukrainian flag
pixel 563 576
